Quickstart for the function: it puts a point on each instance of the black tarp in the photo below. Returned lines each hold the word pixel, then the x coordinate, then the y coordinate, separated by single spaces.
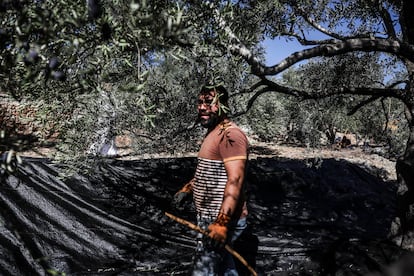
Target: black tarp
pixel 329 218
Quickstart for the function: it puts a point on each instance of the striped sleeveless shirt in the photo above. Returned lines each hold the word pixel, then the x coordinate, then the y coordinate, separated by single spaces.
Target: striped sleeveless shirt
pixel 224 143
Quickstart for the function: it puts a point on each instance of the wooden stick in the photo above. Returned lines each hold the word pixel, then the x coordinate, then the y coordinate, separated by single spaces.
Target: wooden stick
pixel 204 232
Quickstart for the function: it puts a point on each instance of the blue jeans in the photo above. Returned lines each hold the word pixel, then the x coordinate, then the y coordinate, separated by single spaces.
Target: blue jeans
pixel 213 261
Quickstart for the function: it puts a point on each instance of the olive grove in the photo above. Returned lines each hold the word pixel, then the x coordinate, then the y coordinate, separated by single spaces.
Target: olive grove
pixel 100 67
pixel 384 27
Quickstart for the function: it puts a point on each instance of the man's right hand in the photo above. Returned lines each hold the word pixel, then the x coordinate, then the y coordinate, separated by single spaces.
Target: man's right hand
pixel 182 195
pixel 179 199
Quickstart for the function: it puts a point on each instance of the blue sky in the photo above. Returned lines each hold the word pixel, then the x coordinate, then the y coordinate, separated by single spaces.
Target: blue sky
pixel 279 48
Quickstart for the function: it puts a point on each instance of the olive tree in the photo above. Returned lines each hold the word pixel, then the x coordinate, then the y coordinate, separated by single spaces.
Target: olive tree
pixel 376 26
pixel 73 53
pixel 84 63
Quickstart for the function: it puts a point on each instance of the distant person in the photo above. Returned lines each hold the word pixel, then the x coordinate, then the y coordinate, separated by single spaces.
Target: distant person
pixel 218 184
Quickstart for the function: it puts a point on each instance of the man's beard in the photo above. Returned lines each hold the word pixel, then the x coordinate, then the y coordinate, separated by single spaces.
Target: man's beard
pixel 211 122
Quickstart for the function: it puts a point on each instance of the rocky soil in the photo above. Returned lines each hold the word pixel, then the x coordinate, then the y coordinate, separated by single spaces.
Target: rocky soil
pixel 355 155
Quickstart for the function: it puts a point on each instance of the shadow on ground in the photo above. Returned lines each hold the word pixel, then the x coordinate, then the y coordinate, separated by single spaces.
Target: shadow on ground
pixel 329 217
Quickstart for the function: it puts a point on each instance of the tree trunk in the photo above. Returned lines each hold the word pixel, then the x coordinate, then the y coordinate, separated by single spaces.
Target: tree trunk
pixel 104 139
pixel 405 165
pixel 405 173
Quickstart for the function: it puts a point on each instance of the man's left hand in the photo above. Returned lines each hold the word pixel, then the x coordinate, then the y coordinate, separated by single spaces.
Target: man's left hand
pixel 217 234
pixel 218 230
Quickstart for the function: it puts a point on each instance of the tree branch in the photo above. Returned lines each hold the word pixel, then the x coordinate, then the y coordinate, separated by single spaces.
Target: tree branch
pixel 271 86
pixel 235 46
pixel 386 17
pixel 315 25
pixel 361 104
pixel 306 42
pixel 340 47
pixel 369 91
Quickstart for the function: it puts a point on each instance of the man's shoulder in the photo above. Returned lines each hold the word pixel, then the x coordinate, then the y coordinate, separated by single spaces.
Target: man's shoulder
pixel 226 125
pixel 231 128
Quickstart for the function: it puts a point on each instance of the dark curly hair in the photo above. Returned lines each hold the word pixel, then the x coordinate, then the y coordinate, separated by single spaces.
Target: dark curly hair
pixel 220 89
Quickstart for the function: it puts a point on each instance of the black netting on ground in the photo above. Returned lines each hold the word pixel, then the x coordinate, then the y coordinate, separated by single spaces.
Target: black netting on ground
pixel 331 219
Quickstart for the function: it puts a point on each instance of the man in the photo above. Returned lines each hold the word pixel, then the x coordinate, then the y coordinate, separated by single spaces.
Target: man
pixel 217 186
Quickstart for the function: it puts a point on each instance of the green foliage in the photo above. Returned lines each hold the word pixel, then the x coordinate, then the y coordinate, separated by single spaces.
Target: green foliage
pixel 67 55
pixel 275 117
pixel 55 272
pixel 87 63
pixel 353 70
pixel 269 117
pixel 104 68
pixel 172 88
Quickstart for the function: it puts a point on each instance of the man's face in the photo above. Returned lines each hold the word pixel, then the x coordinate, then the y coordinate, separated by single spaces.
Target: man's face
pixel 208 109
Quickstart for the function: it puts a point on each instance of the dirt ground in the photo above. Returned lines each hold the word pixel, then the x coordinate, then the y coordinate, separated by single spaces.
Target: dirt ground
pixel 355 155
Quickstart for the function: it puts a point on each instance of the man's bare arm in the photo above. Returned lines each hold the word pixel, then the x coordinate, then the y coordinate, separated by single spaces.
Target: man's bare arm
pixel 235 177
